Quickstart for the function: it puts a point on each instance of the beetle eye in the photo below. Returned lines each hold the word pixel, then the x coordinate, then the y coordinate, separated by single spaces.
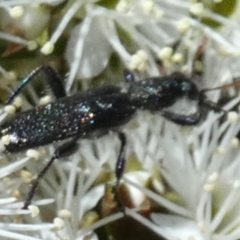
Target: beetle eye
pixel 186 87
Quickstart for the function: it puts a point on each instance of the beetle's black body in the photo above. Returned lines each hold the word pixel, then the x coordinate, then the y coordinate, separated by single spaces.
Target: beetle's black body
pixel 84 115
pixel 94 112
pixel 157 93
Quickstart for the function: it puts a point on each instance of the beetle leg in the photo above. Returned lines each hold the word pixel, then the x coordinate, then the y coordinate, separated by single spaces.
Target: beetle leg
pixel 213 106
pixel 185 120
pixel 53 79
pixel 65 149
pixel 120 165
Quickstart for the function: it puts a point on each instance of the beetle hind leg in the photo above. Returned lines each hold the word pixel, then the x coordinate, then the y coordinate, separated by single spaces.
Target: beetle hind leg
pixel 65 149
pixel 53 79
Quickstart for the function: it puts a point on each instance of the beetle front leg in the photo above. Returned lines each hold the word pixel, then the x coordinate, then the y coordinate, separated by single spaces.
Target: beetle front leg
pixel 213 106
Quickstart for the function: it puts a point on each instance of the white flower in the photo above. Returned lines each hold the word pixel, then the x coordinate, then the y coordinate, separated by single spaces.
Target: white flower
pixel 129 28
pixel 191 175
pixel 201 168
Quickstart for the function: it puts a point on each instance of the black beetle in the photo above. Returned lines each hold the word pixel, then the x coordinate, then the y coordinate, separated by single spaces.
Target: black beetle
pixel 97 111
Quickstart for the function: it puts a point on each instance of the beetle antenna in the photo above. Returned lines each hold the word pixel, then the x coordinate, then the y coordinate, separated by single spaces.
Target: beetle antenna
pixel 212 105
pixel 234 84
